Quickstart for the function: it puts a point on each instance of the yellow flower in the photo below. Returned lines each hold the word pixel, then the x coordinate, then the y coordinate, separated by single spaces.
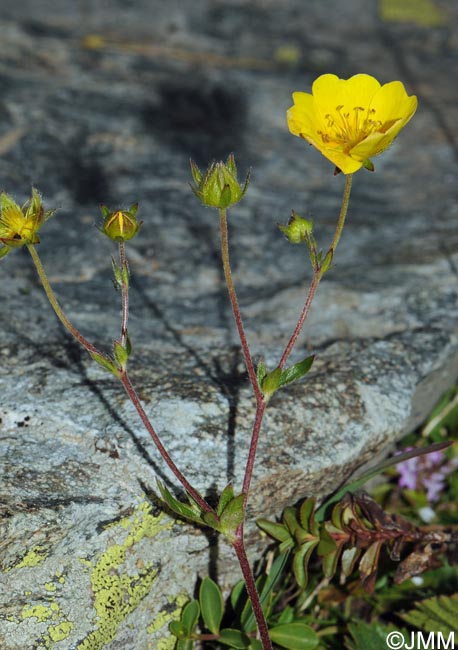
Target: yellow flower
pixel 19 226
pixel 350 120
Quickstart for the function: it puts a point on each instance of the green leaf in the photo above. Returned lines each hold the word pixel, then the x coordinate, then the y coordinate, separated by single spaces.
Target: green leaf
pixel 4 250
pixel 121 354
pixel 116 273
pixel 181 509
pixel 106 363
pixel 296 372
pixel 178 629
pixel 271 382
pixel 255 644
pixel 185 644
pixel 238 596
pixel 232 515
pixel 248 619
pixel 234 638
pixel 226 495
pixel 287 615
pixel 290 519
pixel 211 604
pixel 261 372
pixel 301 560
pixel 374 636
pixel 190 616
pixel 294 636
pixel 438 614
pixel 326 263
pixel 306 515
pixel 276 530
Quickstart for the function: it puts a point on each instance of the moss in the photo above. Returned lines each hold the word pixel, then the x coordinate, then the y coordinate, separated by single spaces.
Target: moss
pixel 116 591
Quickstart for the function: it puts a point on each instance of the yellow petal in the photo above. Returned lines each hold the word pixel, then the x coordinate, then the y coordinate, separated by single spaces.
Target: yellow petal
pixel 344 162
pixel 330 92
pixel 372 145
pixel 301 122
pixel 392 102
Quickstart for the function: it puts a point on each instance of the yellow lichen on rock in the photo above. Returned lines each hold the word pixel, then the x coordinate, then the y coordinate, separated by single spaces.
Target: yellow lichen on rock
pixel 117 591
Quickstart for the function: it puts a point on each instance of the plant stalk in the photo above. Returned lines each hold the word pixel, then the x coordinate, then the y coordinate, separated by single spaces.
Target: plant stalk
pixel 56 307
pixel 235 306
pixel 239 548
pixel 130 390
pixel 318 274
pixel 125 291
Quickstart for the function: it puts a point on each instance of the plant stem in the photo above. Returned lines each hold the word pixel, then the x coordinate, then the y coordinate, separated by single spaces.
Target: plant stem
pixel 343 212
pixel 56 307
pixel 130 390
pixel 123 376
pixel 235 306
pixel 239 548
pixel 305 310
pixel 318 274
pixel 260 410
pixel 124 291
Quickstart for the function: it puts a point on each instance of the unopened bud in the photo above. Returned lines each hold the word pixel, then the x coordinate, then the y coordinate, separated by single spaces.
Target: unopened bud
pixel 120 225
pixel 219 187
pixel 298 229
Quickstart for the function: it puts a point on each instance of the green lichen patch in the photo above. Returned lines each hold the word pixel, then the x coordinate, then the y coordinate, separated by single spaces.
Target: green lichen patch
pixel 166 615
pixel 40 612
pixel 58 632
pixel 117 592
pixel 35 556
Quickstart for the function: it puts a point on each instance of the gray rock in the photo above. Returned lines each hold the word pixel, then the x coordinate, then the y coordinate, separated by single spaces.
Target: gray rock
pixel 88 559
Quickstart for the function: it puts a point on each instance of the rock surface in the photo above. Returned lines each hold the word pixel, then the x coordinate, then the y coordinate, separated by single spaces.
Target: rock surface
pixel 108 106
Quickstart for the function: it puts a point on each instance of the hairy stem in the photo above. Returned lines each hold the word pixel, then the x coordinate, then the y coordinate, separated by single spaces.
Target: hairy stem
pixel 239 548
pixel 318 274
pixel 56 307
pixel 125 291
pixel 260 410
pixel 235 305
pixel 130 390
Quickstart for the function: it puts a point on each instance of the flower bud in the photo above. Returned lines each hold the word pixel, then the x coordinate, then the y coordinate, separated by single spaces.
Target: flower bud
pixel 219 187
pixel 120 225
pixel 298 229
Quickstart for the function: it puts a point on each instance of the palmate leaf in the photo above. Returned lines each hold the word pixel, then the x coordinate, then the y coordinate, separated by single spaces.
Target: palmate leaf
pixel 438 614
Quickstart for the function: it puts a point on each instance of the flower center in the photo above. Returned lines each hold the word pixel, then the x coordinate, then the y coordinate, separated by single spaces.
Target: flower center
pixel 345 129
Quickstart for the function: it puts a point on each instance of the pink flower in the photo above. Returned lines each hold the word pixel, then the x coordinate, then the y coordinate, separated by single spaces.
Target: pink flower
pixel 427 471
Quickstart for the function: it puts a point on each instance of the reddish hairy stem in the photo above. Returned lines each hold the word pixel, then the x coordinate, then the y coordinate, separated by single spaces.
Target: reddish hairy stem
pixel 260 410
pixel 235 306
pixel 317 273
pixel 130 390
pixel 305 310
pixel 239 548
